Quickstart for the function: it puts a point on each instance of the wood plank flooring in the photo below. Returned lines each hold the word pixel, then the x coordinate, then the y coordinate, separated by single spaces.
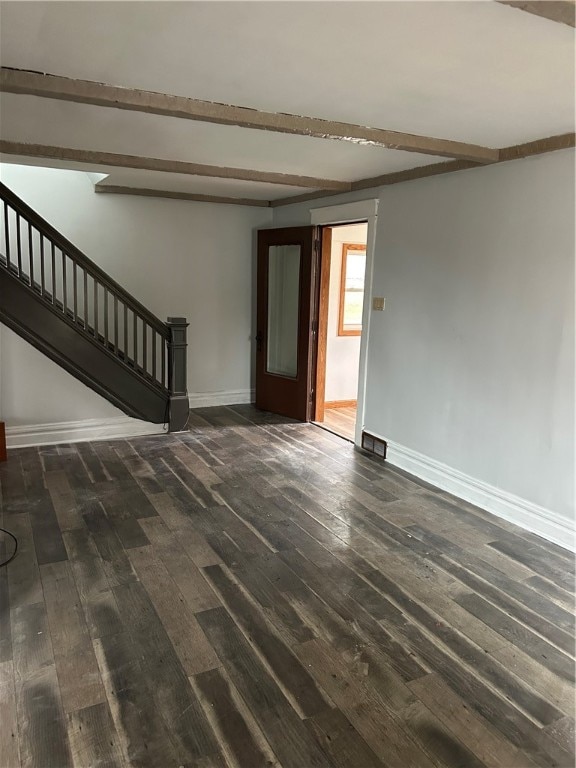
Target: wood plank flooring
pixel 341 421
pixel 253 592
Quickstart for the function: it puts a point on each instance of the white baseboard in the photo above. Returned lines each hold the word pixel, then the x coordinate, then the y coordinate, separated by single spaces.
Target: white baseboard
pixel 544 522
pixel 230 397
pixel 86 430
pixel 79 431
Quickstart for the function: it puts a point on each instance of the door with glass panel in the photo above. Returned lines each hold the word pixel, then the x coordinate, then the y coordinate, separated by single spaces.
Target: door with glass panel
pixel 285 323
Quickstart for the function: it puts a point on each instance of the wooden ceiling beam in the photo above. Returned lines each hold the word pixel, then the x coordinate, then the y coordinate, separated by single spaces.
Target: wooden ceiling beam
pixel 516 152
pixel 112 189
pixel 89 157
pixel 561 11
pixel 87 92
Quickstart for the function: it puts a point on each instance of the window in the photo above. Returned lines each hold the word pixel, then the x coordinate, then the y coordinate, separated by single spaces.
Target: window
pixel 352 289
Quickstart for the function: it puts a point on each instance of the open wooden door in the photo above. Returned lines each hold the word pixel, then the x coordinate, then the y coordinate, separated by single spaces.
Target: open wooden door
pixel 286 327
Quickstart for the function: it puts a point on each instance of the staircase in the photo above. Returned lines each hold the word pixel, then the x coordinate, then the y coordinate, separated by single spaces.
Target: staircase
pixel 56 298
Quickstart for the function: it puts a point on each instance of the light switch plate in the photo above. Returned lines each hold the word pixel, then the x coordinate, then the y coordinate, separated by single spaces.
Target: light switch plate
pixel 378 303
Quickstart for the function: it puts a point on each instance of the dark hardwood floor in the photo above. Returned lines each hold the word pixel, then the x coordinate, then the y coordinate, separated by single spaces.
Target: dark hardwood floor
pixel 256 593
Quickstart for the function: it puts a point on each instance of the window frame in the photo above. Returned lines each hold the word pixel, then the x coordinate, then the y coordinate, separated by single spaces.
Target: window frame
pixel 342 330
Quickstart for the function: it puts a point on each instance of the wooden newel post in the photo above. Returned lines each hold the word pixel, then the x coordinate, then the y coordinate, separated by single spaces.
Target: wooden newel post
pixel 177 373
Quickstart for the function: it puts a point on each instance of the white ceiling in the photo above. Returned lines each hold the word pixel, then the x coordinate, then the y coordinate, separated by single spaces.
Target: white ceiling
pixel 82 126
pixel 478 72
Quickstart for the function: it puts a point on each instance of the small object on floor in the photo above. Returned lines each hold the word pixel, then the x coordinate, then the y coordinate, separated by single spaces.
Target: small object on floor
pixel 13 555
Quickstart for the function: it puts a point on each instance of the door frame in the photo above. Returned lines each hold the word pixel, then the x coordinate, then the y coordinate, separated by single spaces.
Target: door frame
pixel 350 213
pixel 320 359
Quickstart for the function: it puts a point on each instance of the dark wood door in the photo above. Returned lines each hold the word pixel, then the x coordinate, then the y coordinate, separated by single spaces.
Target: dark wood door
pixel 287 267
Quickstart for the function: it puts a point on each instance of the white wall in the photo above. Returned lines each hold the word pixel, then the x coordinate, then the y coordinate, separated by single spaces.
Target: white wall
pixel 342 352
pixel 472 363
pixel 176 257
pixel 34 390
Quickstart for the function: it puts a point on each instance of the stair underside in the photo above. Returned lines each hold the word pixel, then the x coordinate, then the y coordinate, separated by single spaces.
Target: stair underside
pixel 77 350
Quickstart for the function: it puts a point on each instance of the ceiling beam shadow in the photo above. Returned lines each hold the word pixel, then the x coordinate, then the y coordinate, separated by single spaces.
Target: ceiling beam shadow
pixel 87 92
pixel 89 157
pixel 561 11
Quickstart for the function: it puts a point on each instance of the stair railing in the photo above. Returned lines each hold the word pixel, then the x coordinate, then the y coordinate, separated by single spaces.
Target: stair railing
pixel 96 305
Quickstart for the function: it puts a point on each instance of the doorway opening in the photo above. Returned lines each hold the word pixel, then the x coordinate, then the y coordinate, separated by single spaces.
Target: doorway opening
pixel 340 311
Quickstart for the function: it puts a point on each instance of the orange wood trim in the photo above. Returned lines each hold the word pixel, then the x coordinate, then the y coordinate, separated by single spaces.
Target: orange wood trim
pixel 340 404
pixel 324 294
pixel 341 330
pixel 3 453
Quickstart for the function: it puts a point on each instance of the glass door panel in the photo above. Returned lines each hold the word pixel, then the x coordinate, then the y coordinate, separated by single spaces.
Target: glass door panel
pixel 283 310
